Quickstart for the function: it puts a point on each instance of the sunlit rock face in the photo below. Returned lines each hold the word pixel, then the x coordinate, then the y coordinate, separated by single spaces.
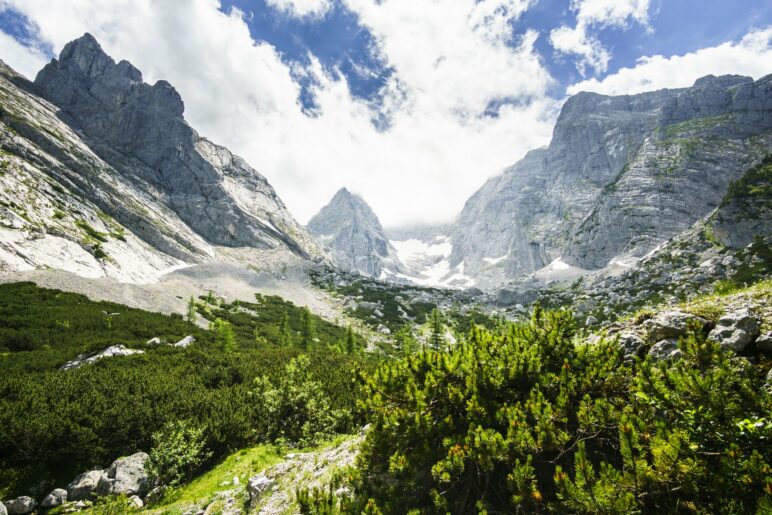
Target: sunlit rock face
pixel 620 176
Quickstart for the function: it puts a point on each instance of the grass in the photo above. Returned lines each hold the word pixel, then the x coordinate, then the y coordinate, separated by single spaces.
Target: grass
pixel 242 464
pixel 712 306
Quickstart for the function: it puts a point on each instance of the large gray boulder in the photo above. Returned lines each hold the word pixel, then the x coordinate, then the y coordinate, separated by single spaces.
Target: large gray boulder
pixel 3 510
pixel 56 498
pixel 630 343
pixel 764 343
pixel 84 485
pixel 672 324
pixel 735 330
pixel 20 506
pixel 258 485
pixel 125 476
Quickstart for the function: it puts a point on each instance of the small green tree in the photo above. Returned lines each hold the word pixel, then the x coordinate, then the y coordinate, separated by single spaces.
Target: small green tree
pixel 179 449
pixel 307 329
pixel 225 337
pixel 437 339
pixel 192 310
pixel 405 341
pixel 285 332
pixel 351 341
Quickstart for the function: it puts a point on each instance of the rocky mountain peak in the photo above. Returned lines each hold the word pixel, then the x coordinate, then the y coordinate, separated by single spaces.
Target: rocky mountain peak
pixel 351 229
pixel 139 130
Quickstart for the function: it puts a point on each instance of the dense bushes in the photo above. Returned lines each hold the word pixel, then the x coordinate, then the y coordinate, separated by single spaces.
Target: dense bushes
pixel 526 421
pixel 55 424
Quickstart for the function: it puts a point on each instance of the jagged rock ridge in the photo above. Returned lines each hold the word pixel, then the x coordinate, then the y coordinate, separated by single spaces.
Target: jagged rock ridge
pixel 103 176
pixel 350 228
pixel 620 176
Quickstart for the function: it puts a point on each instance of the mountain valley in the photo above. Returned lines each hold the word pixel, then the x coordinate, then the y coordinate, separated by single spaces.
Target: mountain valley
pixel 591 334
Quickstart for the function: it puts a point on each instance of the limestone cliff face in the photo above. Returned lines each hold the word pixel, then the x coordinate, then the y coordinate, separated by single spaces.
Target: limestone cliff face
pixel 350 228
pixel 620 176
pixel 139 130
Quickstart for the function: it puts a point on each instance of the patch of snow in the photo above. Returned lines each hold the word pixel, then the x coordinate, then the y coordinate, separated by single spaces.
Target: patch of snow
pixel 413 249
pixel 495 261
pixel 559 270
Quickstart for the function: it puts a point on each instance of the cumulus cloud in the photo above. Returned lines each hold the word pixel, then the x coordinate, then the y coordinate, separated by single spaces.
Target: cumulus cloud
pixel 26 60
pixel 302 8
pixel 592 15
pixel 750 56
pixel 455 62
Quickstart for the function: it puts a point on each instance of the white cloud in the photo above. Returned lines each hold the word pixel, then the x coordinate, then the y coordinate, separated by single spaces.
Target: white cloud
pixel 751 56
pixel 24 59
pixel 302 8
pixel 450 58
pixel 590 15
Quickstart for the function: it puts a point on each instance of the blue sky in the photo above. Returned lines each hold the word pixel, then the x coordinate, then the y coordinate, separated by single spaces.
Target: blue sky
pixel 411 103
pixel 675 27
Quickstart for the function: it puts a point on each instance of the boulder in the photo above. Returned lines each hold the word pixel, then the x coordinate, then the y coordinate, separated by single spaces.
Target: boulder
pixel 672 324
pixel 125 476
pixel 591 320
pixel 84 485
pixel 56 498
pixel 257 485
pixel 20 506
pixel 764 343
pixel 109 352
pixel 136 501
pixel 3 511
pixel 630 343
pixel 735 330
pixel 185 342
pixel 665 350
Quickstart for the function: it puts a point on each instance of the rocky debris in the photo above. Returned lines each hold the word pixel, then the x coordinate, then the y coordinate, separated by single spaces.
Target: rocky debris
pixel 665 350
pixel 764 343
pixel 258 485
pixel 81 488
pixel 125 476
pixel 186 342
pixel 275 487
pixel 735 330
pixel 109 352
pixel 591 320
pixel 20 506
pixel 57 497
pixel 152 342
pixel 672 324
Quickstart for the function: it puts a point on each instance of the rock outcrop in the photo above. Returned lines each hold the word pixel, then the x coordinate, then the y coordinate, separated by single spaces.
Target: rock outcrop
pixel 350 228
pixel 109 352
pixel 620 176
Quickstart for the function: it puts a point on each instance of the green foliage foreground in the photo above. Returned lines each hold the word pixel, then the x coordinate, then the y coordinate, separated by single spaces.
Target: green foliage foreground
pixel 56 423
pixel 525 420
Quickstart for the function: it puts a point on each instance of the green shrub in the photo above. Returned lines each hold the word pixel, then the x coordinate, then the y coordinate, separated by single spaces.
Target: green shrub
pixel 295 406
pixel 524 420
pixel 177 454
